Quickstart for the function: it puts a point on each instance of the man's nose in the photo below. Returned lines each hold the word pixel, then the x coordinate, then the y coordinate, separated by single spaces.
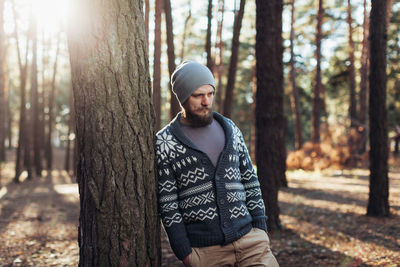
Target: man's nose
pixel 206 100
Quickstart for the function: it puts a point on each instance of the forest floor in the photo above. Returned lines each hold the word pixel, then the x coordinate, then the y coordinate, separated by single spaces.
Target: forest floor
pixel 322 215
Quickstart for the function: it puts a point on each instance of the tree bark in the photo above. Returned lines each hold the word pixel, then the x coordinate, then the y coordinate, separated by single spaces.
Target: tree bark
pixel 378 202
pixel 157 63
pixel 210 63
pixel 35 122
pixel 3 97
pixel 118 224
pixel 270 148
pixel 362 129
pixel 295 100
pixel 229 94
pixel 49 147
pixel 147 20
pixel 175 107
pixel 317 101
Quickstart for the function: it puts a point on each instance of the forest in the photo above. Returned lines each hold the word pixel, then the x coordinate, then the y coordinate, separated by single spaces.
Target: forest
pixel 313 85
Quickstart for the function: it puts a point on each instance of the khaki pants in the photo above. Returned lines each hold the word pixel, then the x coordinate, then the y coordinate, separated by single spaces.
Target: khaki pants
pixel 250 250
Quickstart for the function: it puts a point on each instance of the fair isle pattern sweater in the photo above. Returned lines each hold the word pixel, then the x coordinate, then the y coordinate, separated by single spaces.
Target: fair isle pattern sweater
pixel 202 205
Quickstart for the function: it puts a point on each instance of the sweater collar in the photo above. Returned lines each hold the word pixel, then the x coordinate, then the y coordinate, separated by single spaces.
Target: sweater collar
pixel 178 133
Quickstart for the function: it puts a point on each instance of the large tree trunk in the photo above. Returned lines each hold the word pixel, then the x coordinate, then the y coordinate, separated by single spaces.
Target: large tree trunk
pixel 229 94
pixel 364 83
pixel 3 97
pixel 378 202
pixel 157 63
pixel 295 100
pixel 49 147
pixel 147 20
pixel 219 57
pixel 175 107
pixel 210 63
pixel 35 122
pixel 23 147
pixel 317 101
pixel 270 148
pixel 118 223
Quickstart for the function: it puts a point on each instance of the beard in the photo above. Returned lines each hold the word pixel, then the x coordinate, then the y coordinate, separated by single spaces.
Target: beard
pixel 197 120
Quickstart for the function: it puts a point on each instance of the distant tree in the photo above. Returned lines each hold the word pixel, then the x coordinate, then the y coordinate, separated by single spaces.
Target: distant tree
pixel 34 101
pixel 118 223
pixel 49 147
pixel 362 117
pixel 317 100
pixel 378 202
pixel 175 107
pixel 352 73
pixel 270 147
pixel 295 99
pixel 219 55
pixel 210 63
pixel 23 148
pixel 229 94
pixel 157 63
pixel 3 96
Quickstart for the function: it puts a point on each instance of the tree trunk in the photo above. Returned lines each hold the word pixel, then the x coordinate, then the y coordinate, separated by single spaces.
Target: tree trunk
pixel 220 55
pixel 229 94
pixel 71 127
pixel 317 101
pixel 270 149
pixel 118 224
pixel 3 97
pixel 396 145
pixel 295 100
pixel 210 63
pixel 185 28
pixel 35 122
pixel 49 147
pixel 23 147
pixel 352 75
pixel 175 107
pixel 364 83
pixel 146 20
pixel 157 63
pixel 378 202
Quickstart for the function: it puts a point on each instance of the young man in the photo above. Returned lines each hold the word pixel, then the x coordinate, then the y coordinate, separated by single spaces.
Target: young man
pixel 209 195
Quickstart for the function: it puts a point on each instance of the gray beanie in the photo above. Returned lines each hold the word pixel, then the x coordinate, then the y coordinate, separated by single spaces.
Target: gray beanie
pixel 188 77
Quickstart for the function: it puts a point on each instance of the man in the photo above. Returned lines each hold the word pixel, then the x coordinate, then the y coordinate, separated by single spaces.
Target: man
pixel 209 195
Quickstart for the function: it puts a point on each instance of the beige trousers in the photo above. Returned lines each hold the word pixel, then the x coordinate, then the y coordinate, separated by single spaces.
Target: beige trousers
pixel 250 250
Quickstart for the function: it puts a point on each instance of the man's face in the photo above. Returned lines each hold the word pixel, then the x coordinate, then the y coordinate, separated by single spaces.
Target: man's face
pixel 198 107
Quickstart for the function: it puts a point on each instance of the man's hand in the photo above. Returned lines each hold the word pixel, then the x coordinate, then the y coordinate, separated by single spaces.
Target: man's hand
pixel 186 261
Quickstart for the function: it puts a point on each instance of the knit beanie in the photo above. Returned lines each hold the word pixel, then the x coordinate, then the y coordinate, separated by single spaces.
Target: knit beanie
pixel 188 77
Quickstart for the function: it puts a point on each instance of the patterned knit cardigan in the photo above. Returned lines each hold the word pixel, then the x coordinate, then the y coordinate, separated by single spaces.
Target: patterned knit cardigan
pixel 202 205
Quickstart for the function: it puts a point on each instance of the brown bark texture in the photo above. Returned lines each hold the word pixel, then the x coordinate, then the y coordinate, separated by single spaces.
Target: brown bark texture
pixel 175 107
pixel 317 100
pixel 295 99
pixel 378 202
pixel 118 224
pixel 270 148
pixel 157 63
pixel 229 91
pixel 3 96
